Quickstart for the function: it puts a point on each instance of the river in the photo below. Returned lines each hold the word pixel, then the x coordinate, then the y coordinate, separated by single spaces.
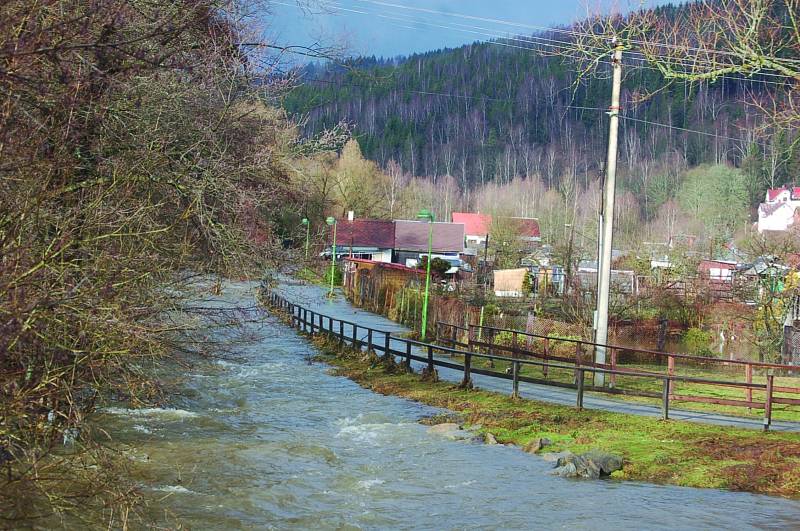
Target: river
pixel 270 440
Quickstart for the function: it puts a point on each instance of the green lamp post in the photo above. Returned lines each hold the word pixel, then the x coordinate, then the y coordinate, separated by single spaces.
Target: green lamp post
pixel 308 234
pixel 331 221
pixel 426 214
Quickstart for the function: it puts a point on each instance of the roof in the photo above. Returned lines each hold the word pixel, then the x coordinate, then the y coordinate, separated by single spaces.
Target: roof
pixel 528 227
pixel 773 193
pixel 509 279
pixel 480 224
pixel 767 209
pixel 723 264
pixel 474 224
pixel 385 265
pixel 413 236
pixel 376 233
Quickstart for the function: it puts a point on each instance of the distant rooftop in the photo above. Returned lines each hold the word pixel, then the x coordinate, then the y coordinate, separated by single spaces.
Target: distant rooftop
pixel 413 236
pixel 378 233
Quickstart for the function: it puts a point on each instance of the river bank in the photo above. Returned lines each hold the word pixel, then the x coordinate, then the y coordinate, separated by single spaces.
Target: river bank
pixel 672 452
pixel 270 439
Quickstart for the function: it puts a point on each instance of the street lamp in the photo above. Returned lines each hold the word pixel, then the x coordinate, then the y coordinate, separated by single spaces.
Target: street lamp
pixel 426 214
pixel 308 233
pixel 331 221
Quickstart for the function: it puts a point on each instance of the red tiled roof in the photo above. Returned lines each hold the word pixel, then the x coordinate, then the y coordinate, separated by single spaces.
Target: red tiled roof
pixel 413 236
pixel 772 193
pixel 480 224
pixel 528 227
pixel 364 233
pixel 474 224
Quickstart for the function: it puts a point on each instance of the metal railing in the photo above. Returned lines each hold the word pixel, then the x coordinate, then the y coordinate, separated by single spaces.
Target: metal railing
pixel 376 340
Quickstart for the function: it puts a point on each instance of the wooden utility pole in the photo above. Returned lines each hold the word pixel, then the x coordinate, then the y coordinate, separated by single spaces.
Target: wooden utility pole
pixel 607 219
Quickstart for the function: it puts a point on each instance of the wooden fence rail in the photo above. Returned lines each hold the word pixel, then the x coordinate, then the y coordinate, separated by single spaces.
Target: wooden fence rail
pixel 484 337
pixel 309 321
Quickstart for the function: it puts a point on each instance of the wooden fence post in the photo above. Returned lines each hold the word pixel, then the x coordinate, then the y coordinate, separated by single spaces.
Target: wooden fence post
pixel 408 355
pixel 768 402
pixel 546 351
pixel 430 359
pixel 355 337
pixel 578 353
pixel 671 372
pixel 386 340
pixel 613 380
pixel 466 382
pixel 341 333
pixel 748 393
pixel 369 339
pixel 665 399
pixel 581 380
pixel 515 379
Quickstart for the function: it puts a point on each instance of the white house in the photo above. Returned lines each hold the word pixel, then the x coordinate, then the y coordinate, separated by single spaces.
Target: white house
pixel 780 210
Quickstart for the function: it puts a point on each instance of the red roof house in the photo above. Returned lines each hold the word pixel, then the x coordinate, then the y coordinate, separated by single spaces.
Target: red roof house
pixel 478 226
pixel 371 239
pixel 474 224
pixel 528 227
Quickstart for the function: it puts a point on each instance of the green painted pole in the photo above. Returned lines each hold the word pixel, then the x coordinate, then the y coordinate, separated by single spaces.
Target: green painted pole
pixel 480 325
pixel 333 260
pixel 427 281
pixel 308 235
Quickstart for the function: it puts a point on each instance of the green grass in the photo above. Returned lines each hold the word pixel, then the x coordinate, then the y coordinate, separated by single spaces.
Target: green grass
pixel 671 452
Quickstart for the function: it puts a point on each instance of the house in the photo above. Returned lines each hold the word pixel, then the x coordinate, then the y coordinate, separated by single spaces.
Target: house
pixel 360 277
pixel 779 211
pixel 478 226
pixel 717 271
pixel 623 281
pixel 367 239
pixel 411 241
pixel 510 282
pixel 528 230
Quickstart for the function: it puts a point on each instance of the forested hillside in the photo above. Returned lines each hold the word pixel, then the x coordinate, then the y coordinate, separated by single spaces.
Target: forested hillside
pixel 490 112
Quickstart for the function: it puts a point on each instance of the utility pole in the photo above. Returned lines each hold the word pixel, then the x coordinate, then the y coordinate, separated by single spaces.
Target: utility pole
pixel 607 218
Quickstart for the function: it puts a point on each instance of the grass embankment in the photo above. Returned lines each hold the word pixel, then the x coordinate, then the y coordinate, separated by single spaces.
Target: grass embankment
pixel 670 452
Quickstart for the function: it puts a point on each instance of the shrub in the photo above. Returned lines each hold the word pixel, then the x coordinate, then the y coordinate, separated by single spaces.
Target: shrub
pixel 698 341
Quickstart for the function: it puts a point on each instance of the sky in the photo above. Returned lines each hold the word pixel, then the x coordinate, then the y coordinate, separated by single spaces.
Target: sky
pixel 388 28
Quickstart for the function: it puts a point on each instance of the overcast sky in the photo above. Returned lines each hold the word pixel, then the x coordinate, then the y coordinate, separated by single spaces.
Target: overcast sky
pixel 400 27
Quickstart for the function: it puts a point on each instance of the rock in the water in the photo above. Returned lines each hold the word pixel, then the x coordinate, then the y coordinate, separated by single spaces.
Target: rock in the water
pixel 452 431
pixel 569 470
pixel 590 465
pixel 488 438
pixel 554 457
pixel 534 446
pixel 444 427
pixel 607 463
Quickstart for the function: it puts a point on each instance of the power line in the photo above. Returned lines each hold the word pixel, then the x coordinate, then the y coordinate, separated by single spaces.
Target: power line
pixel 554 44
pixel 448 95
pixel 552 29
pixel 519 39
pixel 694 131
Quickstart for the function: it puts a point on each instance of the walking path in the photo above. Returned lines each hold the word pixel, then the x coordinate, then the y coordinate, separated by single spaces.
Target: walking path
pixel 313 297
